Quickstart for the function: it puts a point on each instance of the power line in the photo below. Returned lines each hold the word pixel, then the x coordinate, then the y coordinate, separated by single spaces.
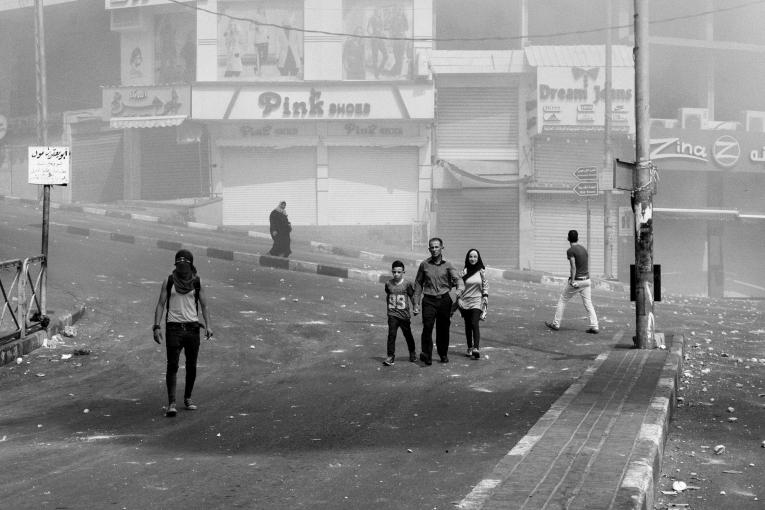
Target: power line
pixel 461 39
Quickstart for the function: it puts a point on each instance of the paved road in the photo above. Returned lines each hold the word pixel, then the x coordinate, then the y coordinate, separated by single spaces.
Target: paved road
pixel 296 410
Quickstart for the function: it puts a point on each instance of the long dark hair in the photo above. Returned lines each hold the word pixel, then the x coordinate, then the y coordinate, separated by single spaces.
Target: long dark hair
pixel 471 269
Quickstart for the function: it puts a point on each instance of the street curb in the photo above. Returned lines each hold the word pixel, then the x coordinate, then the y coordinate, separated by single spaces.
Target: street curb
pixel 495 273
pixel 12 350
pixel 638 487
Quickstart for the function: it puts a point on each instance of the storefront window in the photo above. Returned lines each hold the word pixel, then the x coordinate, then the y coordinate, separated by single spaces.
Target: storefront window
pixel 175 44
pixel 261 40
pixel 387 54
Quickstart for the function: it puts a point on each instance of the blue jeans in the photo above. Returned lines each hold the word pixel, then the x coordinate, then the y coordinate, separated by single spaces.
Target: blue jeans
pixel 181 336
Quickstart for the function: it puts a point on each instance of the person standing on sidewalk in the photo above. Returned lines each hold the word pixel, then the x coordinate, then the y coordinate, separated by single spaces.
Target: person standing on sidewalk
pixel 578 283
pixel 280 227
pixel 437 284
pixel 399 292
pixel 182 294
pixel 474 300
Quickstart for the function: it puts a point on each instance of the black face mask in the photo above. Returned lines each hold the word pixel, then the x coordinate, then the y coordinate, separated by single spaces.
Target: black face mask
pixel 183 269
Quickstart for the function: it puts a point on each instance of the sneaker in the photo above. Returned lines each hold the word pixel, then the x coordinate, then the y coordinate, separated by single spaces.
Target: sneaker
pixel 171 410
pixel 552 326
pixel 476 354
pixel 469 352
pixel 593 331
pixel 444 359
pixel 189 405
pixel 425 359
pixel 389 361
pixel 412 357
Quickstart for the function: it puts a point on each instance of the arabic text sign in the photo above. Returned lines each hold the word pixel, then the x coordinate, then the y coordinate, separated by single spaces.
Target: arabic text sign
pixel 49 165
pixel 586 188
pixel 586 173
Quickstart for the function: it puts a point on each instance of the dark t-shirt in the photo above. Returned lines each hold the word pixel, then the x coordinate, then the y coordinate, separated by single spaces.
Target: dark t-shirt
pixel 580 260
pixel 398 298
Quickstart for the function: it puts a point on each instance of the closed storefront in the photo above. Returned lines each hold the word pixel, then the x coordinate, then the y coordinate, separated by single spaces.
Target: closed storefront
pixel 482 218
pixel 171 170
pixel 552 218
pixel 258 178
pixel 477 123
pixel 97 167
pixel 372 185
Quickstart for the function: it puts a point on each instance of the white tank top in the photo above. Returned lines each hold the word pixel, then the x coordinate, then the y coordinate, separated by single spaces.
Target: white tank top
pixel 181 307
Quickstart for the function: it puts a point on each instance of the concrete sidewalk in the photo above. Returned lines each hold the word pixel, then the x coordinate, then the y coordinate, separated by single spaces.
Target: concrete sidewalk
pixel 599 446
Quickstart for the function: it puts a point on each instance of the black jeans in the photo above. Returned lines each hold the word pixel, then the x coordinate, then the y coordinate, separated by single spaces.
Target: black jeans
pixel 472 318
pixel 406 328
pixel 436 311
pixel 181 336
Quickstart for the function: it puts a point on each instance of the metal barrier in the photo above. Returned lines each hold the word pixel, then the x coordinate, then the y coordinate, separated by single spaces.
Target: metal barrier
pixel 22 297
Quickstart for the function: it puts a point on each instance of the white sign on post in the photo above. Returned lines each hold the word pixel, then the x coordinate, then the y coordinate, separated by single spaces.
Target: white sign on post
pixel 49 165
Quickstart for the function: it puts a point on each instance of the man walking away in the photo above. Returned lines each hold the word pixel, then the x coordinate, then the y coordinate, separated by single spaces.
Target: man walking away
pixel 578 283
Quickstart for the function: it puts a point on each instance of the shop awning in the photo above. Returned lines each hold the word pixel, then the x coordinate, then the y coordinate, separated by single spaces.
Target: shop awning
pixel 447 175
pixel 146 122
pixel 697 214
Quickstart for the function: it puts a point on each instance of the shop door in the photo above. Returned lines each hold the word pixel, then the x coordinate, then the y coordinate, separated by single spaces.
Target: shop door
pixel 372 185
pixel 171 170
pixel 97 168
pixel 257 179
pixel 552 220
pixel 481 218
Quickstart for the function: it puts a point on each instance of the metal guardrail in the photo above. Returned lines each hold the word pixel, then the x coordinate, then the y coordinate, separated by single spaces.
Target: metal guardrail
pixel 22 297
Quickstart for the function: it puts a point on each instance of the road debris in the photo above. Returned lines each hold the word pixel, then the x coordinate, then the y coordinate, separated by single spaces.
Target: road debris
pixel 719 449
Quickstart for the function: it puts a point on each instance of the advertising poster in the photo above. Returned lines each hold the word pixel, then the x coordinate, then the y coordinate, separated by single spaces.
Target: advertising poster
pixel 386 58
pixel 175 48
pixel 49 165
pixel 260 40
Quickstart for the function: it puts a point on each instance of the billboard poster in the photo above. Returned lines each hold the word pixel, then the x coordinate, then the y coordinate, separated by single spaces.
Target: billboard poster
pixel 387 53
pixel 175 48
pixel 260 40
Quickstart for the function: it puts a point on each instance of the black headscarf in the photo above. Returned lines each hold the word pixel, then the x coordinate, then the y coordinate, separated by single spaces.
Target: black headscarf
pixel 471 269
pixel 184 273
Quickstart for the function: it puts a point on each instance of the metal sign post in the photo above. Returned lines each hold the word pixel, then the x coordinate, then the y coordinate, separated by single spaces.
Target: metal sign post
pixel 587 187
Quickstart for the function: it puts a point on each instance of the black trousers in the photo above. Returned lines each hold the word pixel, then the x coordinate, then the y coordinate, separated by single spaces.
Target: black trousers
pixel 406 328
pixel 472 318
pixel 181 337
pixel 436 311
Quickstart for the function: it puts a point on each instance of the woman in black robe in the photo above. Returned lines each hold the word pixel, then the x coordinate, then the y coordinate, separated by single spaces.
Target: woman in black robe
pixel 280 231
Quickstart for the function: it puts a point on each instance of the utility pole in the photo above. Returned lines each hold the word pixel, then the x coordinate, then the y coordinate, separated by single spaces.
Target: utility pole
pixel 42 140
pixel 643 184
pixel 609 229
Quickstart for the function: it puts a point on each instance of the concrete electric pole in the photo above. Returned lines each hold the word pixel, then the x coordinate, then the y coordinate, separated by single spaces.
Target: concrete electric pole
pixel 643 187
pixel 42 139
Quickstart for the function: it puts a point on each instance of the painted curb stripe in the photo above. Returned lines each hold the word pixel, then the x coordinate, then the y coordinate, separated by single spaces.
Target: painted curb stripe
pixel 78 230
pixel 220 254
pixel 275 262
pixel 123 238
pixel 339 272
pixel 169 245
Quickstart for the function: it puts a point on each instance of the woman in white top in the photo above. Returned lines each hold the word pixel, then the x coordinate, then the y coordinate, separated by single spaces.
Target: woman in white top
pixel 474 300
